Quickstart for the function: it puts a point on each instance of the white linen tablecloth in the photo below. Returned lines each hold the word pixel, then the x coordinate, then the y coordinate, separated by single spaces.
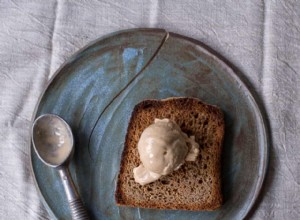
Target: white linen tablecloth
pixel 260 38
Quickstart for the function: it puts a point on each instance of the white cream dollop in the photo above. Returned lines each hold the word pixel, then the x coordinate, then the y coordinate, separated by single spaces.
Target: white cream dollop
pixel 163 148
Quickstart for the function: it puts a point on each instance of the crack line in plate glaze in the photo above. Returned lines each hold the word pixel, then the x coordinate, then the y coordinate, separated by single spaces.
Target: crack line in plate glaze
pixel 125 87
pixel 102 205
pixel 123 98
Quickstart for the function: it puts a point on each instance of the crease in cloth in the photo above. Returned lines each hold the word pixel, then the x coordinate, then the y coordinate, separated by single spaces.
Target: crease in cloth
pixel 266 76
pixel 49 70
pixel 154 7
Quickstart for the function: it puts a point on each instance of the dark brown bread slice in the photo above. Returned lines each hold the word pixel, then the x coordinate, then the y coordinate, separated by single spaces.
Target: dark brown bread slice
pixel 196 185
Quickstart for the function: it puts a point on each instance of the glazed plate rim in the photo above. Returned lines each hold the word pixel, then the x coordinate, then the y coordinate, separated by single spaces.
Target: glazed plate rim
pixel 222 64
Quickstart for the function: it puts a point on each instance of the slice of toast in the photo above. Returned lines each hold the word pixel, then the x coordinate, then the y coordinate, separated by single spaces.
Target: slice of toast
pixel 196 185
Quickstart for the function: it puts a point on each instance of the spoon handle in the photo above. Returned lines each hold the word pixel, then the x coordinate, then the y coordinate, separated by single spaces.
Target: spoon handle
pixel 76 206
pixel 78 210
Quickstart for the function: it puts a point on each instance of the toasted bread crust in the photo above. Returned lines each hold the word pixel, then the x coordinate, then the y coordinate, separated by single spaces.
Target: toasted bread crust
pixel 196 185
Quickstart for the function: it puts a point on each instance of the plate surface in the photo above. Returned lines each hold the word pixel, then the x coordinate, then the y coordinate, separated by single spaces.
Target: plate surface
pixel 95 92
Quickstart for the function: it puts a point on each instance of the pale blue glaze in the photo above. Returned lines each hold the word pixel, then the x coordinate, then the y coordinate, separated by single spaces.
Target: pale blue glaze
pixel 85 86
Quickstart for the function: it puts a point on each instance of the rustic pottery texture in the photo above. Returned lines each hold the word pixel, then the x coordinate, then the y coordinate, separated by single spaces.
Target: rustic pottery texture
pixel 95 92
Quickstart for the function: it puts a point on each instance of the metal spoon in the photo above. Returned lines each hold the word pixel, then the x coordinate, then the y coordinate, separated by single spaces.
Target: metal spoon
pixel 54 144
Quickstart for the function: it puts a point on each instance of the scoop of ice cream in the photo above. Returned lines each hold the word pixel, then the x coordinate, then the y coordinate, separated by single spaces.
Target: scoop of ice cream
pixel 163 148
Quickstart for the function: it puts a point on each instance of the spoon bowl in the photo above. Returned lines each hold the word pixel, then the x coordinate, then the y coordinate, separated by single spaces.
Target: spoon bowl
pixel 53 140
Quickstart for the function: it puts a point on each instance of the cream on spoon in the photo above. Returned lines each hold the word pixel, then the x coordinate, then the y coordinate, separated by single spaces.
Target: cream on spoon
pixel 54 144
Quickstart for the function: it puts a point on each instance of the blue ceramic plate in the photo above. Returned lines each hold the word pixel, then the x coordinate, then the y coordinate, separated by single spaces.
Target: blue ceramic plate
pixel 95 92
